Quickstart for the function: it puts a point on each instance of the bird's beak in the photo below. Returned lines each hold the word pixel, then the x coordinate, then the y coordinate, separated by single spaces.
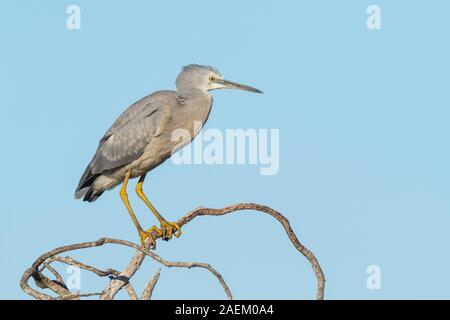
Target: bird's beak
pixel 233 85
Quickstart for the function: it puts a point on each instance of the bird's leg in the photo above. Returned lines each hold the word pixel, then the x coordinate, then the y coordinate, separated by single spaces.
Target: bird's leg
pixel 142 234
pixel 167 228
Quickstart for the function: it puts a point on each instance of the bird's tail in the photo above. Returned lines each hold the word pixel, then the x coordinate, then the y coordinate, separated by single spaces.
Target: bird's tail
pixel 86 188
pixel 88 194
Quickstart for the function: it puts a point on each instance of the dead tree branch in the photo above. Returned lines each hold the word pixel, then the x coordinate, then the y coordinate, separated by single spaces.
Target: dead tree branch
pixel 121 280
pixel 148 291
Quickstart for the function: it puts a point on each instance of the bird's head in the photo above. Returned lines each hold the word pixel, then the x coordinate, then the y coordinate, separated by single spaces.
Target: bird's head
pixel 206 78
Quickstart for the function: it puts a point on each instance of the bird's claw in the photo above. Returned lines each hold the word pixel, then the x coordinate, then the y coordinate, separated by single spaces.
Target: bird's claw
pixel 144 235
pixel 168 229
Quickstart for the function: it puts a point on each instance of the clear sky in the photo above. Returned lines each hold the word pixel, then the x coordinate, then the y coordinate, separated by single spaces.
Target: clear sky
pixel 363 118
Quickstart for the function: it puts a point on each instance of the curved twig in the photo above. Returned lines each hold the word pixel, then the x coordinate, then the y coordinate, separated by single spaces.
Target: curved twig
pixel 101 273
pixel 147 294
pixel 275 214
pixel 120 280
pixel 117 282
pixel 72 262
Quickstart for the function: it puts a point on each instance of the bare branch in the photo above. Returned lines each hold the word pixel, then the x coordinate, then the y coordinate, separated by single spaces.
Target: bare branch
pixel 130 290
pixel 79 295
pixel 120 280
pixel 124 277
pixel 72 262
pixel 147 294
pixel 58 277
pixel 26 287
pixel 196 265
pixel 45 283
pixel 101 273
pixel 284 222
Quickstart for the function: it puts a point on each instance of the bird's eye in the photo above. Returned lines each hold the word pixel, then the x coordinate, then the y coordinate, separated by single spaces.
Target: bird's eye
pixel 212 79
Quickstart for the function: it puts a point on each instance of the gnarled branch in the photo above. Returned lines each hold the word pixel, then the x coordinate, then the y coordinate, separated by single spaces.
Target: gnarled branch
pixel 121 280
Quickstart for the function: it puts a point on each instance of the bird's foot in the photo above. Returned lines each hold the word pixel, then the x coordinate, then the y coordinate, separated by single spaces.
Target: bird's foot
pixel 168 229
pixel 143 235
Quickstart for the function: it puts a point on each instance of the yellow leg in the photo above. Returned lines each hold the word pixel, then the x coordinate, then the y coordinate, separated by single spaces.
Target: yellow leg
pixel 167 228
pixel 143 235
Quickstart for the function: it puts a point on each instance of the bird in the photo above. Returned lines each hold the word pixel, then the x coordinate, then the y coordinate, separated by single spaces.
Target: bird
pixel 141 139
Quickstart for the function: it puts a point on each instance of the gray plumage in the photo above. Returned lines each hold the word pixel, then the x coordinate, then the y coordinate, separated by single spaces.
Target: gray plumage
pixel 141 138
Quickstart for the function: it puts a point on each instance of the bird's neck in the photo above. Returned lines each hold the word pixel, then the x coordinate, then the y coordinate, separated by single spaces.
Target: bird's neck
pixel 193 93
pixel 198 102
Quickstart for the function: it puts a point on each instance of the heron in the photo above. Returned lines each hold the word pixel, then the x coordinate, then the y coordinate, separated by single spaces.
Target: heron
pixel 141 139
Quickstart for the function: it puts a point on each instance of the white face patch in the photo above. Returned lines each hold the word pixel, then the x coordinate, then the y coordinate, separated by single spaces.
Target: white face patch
pixel 212 82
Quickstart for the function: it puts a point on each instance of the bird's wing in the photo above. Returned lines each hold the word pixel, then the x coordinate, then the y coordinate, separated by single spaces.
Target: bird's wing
pixel 127 138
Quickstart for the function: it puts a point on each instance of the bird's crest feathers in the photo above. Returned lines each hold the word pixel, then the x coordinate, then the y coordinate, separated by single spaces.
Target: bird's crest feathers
pixel 199 66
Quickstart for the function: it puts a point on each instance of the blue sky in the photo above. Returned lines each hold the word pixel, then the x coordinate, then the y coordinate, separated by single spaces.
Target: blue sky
pixel 363 118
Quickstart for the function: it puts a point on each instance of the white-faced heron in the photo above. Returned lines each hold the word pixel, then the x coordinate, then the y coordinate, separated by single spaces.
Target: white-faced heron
pixel 141 139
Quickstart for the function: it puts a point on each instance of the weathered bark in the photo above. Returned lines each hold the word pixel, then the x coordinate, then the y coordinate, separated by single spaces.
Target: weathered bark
pixel 121 280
